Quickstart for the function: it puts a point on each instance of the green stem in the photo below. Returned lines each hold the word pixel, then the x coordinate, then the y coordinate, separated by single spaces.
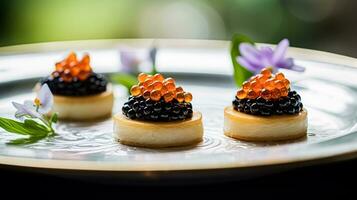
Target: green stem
pixel 48 125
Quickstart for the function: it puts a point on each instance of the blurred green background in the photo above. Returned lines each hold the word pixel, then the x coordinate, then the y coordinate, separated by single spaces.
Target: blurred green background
pixel 327 25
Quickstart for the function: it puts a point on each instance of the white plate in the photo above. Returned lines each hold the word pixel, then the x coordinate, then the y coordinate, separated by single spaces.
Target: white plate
pixel 328 90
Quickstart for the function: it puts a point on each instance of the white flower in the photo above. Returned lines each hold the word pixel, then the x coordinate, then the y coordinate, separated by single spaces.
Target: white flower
pixel 44 100
pixel 26 109
pixel 41 105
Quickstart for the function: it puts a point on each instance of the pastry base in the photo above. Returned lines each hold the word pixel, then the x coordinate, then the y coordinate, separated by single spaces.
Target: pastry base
pixel 85 107
pixel 158 134
pixel 247 127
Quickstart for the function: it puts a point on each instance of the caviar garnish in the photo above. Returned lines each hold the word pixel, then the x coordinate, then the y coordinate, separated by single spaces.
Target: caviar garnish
pixel 73 77
pixel 94 84
pixel 265 85
pixel 140 108
pixel 180 97
pixel 155 95
pixel 71 68
pixel 188 97
pixel 158 99
pixel 266 94
pixel 156 86
pixel 135 91
pixel 290 104
pixel 142 77
pixel 168 97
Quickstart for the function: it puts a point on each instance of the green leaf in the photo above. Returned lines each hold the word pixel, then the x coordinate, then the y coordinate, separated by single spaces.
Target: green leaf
pixel 126 80
pixel 23 141
pixel 32 124
pixel 241 74
pixel 29 127
pixel 53 118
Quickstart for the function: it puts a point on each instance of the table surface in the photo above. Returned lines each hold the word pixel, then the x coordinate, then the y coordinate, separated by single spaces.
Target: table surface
pixel 327 180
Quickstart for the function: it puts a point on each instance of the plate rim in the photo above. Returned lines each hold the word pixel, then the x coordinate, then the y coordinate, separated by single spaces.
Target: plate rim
pixel 297 52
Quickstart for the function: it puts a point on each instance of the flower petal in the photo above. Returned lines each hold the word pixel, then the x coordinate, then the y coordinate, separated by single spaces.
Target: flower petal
pixel 20 112
pixel 280 50
pixel 256 59
pixel 132 59
pixel 289 64
pixel 31 109
pixel 266 62
pixel 44 109
pixel 297 68
pixel 25 109
pixel 286 63
pixel 29 104
pixel 266 52
pixel 249 66
pixel 250 53
pixel 46 99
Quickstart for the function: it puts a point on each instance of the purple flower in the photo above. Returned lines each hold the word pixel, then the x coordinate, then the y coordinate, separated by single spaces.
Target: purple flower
pixel 38 107
pixel 135 60
pixel 130 61
pixel 255 59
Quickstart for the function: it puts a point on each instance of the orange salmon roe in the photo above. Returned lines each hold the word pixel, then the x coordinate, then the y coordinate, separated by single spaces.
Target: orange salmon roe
pixel 246 85
pixel 241 94
pixel 266 94
pixel 142 77
pixel 158 77
pixel 135 90
pixel 256 86
pixel 266 72
pixel 170 86
pixel 156 87
pixel 164 90
pixel 279 76
pixel 188 97
pixel 275 93
pixel 179 89
pixel 180 97
pixel 266 85
pixel 169 80
pixel 168 97
pixel 269 84
pixel 284 92
pixel 71 68
pixel 146 94
pixel 147 82
pixel 155 95
pixel 252 95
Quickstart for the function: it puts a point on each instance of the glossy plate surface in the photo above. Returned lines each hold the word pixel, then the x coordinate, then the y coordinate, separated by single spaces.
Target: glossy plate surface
pixel 328 90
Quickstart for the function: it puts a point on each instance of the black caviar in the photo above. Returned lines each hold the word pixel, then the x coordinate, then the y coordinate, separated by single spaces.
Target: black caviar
pixel 147 109
pixel 290 105
pixel 94 84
